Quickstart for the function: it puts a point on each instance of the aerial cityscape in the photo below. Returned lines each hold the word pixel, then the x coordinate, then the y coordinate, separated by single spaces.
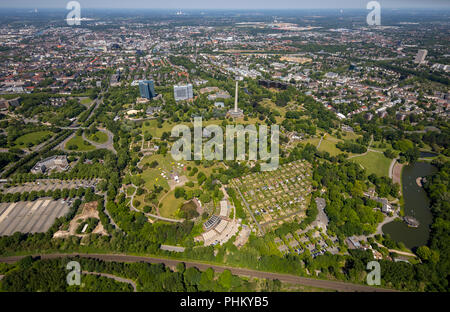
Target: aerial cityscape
pixel 224 149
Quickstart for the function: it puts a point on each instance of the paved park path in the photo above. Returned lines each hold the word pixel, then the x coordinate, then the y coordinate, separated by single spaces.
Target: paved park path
pixel 285 278
pixel 391 167
pixel 111 220
pixel 367 151
pixel 320 142
pixel 150 214
pixel 249 210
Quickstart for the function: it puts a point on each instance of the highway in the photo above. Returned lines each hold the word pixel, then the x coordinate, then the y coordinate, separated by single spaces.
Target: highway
pixel 285 278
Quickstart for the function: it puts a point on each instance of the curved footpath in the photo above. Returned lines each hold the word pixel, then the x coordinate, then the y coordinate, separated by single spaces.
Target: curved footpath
pixel 114 277
pixel 285 278
pixel 150 214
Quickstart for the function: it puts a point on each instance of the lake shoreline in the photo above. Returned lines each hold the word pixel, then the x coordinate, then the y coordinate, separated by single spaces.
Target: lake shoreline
pixel 416 205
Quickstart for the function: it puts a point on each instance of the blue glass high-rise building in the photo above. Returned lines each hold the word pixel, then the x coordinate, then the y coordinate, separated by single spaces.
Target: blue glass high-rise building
pixel 147 89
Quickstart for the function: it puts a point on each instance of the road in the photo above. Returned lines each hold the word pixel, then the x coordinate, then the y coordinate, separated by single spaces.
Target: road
pixel 97 103
pixel 62 145
pixel 285 278
pixel 114 277
pixel 107 145
pixel 36 149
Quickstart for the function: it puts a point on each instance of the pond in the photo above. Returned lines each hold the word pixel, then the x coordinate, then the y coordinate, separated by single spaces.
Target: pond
pixel 427 154
pixel 417 205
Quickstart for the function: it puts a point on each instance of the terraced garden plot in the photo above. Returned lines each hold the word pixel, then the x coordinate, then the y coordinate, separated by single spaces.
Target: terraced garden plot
pixel 277 196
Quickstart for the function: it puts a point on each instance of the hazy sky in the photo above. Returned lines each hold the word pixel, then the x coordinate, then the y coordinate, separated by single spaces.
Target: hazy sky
pixel 227 4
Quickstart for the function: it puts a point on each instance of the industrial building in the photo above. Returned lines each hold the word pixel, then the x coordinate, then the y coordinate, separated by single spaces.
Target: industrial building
pixel 54 163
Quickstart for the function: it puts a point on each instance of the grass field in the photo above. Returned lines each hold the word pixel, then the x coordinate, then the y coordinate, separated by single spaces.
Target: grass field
pixel 33 137
pixel 81 144
pixel 313 141
pixel 86 101
pixel 99 137
pixel 328 144
pixel 375 145
pixel 152 176
pixel 374 163
pixel 170 205
pixel 349 135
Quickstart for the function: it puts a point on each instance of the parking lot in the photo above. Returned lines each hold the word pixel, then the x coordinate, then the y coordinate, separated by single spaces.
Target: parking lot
pixel 31 217
pixel 50 185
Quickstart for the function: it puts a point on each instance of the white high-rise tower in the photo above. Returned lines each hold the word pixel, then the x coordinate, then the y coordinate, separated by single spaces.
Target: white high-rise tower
pixel 236 112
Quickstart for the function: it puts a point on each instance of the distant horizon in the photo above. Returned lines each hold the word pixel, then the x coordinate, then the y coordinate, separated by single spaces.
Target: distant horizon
pixel 227 9
pixel 251 5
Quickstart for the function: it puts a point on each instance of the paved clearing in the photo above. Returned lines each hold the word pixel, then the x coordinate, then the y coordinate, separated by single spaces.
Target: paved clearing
pixel 89 210
pixel 30 217
pixel 51 185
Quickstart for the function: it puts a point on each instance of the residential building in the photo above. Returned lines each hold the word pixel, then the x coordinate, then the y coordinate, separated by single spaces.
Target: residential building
pixel 420 57
pixel 183 92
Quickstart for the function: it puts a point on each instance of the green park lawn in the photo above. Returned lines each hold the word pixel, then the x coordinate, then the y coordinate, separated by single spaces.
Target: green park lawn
pixel 86 101
pixel 374 163
pixel 170 205
pixel 152 176
pixel 33 138
pixel 130 190
pixel 313 141
pixel 154 130
pixel 99 137
pixel 81 145
pixel 349 135
pixel 328 144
